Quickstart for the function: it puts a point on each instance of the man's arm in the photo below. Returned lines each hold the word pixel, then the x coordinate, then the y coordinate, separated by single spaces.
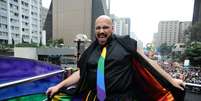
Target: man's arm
pixel 175 82
pixel 72 79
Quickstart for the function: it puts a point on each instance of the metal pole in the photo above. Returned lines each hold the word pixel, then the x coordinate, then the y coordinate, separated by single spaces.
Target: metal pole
pixel 30 79
pixel 78 49
pixel 193 84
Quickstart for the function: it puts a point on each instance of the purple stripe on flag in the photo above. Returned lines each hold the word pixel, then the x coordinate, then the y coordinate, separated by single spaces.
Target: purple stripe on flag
pixel 101 94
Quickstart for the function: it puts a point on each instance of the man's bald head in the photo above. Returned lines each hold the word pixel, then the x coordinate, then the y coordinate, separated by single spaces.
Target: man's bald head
pixel 105 18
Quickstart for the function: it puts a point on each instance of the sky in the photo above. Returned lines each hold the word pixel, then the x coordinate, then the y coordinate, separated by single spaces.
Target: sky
pixel 146 14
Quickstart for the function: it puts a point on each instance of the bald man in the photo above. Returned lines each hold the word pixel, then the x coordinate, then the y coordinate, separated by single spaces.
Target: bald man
pixel 118 68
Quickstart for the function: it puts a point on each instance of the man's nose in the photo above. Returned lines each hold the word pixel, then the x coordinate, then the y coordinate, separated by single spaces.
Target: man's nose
pixel 101 30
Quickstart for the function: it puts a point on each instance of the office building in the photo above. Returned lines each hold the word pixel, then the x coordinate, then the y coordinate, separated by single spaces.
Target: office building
pixel 171 32
pixel 47 27
pixel 196 19
pixel 20 21
pixel 183 26
pixel 43 15
pixel 139 42
pixel 197 12
pixel 121 25
pixel 156 40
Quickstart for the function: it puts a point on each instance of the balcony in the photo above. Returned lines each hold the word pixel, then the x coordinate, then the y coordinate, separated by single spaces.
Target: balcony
pixel 4 37
pixel 3 29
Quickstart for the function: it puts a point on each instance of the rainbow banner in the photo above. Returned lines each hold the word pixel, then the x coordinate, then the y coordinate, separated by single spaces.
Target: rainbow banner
pixel 63 97
pixel 34 97
pixel 12 69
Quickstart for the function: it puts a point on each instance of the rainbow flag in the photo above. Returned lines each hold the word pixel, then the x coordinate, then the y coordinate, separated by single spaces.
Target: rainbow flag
pixel 33 97
pixel 64 97
pixel 12 69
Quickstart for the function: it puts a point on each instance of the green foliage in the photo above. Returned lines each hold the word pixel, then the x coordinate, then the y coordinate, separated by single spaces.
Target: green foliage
pixel 50 43
pixel 165 49
pixel 55 43
pixel 60 41
pixel 150 47
pixel 193 52
pixel 5 47
pixel 26 45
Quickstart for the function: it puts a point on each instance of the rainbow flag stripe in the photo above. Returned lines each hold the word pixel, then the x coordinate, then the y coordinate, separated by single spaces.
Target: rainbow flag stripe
pixel 100 76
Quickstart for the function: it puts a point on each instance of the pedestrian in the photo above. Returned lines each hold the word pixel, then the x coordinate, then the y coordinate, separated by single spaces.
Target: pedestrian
pixel 113 69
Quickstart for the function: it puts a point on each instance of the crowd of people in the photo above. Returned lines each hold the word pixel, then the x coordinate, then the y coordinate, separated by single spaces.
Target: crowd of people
pixel 188 74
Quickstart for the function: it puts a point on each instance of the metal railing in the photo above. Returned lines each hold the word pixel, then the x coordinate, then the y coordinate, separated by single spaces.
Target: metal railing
pixel 192 84
pixel 34 78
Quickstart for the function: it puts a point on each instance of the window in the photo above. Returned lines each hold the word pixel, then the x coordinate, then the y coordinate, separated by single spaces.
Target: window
pixel 15 0
pixel 3 1
pixel 24 3
pixel 12 27
pixel 11 5
pixel 16 14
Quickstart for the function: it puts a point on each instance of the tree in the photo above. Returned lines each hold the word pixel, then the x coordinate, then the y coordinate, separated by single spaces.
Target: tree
pixel 164 49
pixel 60 41
pixel 26 45
pixel 55 43
pixel 193 50
pixel 193 53
pixel 50 42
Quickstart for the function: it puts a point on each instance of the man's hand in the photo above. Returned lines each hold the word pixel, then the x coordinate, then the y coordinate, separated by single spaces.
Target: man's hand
pixel 52 90
pixel 178 83
pixel 71 80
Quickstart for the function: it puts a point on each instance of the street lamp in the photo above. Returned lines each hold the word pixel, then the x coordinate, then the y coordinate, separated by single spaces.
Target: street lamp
pixel 80 38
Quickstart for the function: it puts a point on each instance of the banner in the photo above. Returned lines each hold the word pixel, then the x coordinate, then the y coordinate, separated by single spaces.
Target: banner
pixel 12 68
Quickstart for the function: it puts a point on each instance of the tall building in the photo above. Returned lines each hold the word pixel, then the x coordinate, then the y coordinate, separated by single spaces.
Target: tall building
pixel 139 42
pixel 72 17
pixel 197 11
pixel 196 19
pixel 48 24
pixel 168 32
pixel 121 25
pixel 20 21
pixel 171 32
pixel 183 26
pixel 156 40
pixel 43 15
